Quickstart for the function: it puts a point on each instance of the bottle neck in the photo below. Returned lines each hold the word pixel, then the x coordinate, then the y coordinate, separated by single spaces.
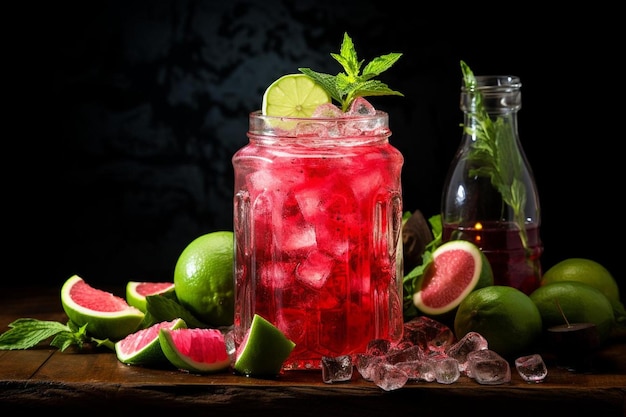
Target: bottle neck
pixel 499 95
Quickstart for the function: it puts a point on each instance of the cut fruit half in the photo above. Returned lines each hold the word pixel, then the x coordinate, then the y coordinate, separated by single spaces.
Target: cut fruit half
pixel 263 350
pixel 143 346
pixel 106 315
pixel 195 350
pixel 136 292
pixel 293 95
pixel 458 267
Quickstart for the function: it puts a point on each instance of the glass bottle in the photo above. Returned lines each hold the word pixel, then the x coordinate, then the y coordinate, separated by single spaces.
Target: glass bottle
pixel 489 195
pixel 317 221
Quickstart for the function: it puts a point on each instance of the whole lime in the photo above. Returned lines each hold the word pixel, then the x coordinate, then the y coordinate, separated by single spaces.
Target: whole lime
pixel 503 315
pixel 203 278
pixel 578 302
pixel 587 271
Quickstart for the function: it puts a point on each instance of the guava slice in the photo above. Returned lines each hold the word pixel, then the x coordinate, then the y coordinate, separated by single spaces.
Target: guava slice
pixel 195 350
pixel 458 267
pixel 106 315
pixel 143 346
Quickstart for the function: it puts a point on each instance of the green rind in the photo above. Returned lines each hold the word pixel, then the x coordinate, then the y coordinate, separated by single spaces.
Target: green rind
pixel 596 308
pixel 265 350
pixel 184 362
pixel 482 279
pixel 150 353
pixel 101 325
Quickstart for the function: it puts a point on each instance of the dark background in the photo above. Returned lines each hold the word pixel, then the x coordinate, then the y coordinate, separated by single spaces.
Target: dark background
pixel 127 114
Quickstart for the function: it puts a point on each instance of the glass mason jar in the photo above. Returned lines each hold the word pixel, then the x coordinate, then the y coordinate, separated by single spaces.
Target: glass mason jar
pixel 318 223
pixel 489 195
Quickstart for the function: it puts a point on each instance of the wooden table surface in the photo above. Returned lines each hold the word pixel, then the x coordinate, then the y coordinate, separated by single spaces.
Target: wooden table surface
pixel 96 383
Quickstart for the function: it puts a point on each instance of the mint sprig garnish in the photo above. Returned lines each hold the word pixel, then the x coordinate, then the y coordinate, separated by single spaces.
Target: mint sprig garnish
pixel 26 333
pixel 346 86
pixel 494 151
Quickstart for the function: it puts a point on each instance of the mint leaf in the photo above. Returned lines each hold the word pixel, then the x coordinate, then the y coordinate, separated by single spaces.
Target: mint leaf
pixel 352 83
pixel 26 333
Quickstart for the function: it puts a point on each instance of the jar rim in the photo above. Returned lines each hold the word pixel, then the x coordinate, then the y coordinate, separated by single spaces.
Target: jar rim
pixel 349 127
pixel 257 114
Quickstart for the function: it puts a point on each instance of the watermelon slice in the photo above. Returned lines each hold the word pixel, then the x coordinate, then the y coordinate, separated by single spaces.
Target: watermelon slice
pixel 143 347
pixel 458 267
pixel 195 350
pixel 106 315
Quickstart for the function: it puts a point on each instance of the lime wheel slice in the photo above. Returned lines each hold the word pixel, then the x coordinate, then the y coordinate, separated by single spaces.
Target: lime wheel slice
pixel 293 95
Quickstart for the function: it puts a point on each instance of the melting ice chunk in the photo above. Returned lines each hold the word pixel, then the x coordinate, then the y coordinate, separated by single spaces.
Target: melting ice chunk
pixel 488 368
pixel 531 368
pixel 470 342
pixel 337 369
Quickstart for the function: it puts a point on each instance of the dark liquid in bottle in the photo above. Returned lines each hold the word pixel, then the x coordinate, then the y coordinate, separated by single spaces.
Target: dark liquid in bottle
pixel 512 265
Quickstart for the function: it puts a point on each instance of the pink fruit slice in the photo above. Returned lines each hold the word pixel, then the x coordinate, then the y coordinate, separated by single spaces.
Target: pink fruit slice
pixel 143 347
pixel 195 350
pixel 458 267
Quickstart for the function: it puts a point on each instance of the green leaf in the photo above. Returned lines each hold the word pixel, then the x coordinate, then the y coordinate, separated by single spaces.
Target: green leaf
pixel 346 86
pixel 165 309
pixel 26 333
pixel 410 280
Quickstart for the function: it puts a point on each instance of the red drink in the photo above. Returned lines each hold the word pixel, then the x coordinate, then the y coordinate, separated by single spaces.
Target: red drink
pixel 501 244
pixel 317 222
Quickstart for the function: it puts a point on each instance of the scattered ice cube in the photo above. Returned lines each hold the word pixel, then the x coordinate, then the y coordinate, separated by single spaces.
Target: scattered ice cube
pixel 487 367
pixel 531 368
pixel 389 377
pixel 431 335
pixel 446 370
pixel 367 363
pixel 378 347
pixel 413 353
pixel 470 342
pixel 337 369
pixel 411 368
pixel 427 370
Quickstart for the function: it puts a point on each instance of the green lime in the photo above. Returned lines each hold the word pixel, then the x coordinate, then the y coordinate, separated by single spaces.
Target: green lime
pixel 143 347
pixel 263 350
pixel 579 303
pixel 106 315
pixel 136 292
pixel 293 95
pixel 195 350
pixel 203 278
pixel 584 270
pixel 503 315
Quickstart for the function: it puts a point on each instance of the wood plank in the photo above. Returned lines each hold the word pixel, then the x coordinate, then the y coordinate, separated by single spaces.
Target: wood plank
pixel 45 379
